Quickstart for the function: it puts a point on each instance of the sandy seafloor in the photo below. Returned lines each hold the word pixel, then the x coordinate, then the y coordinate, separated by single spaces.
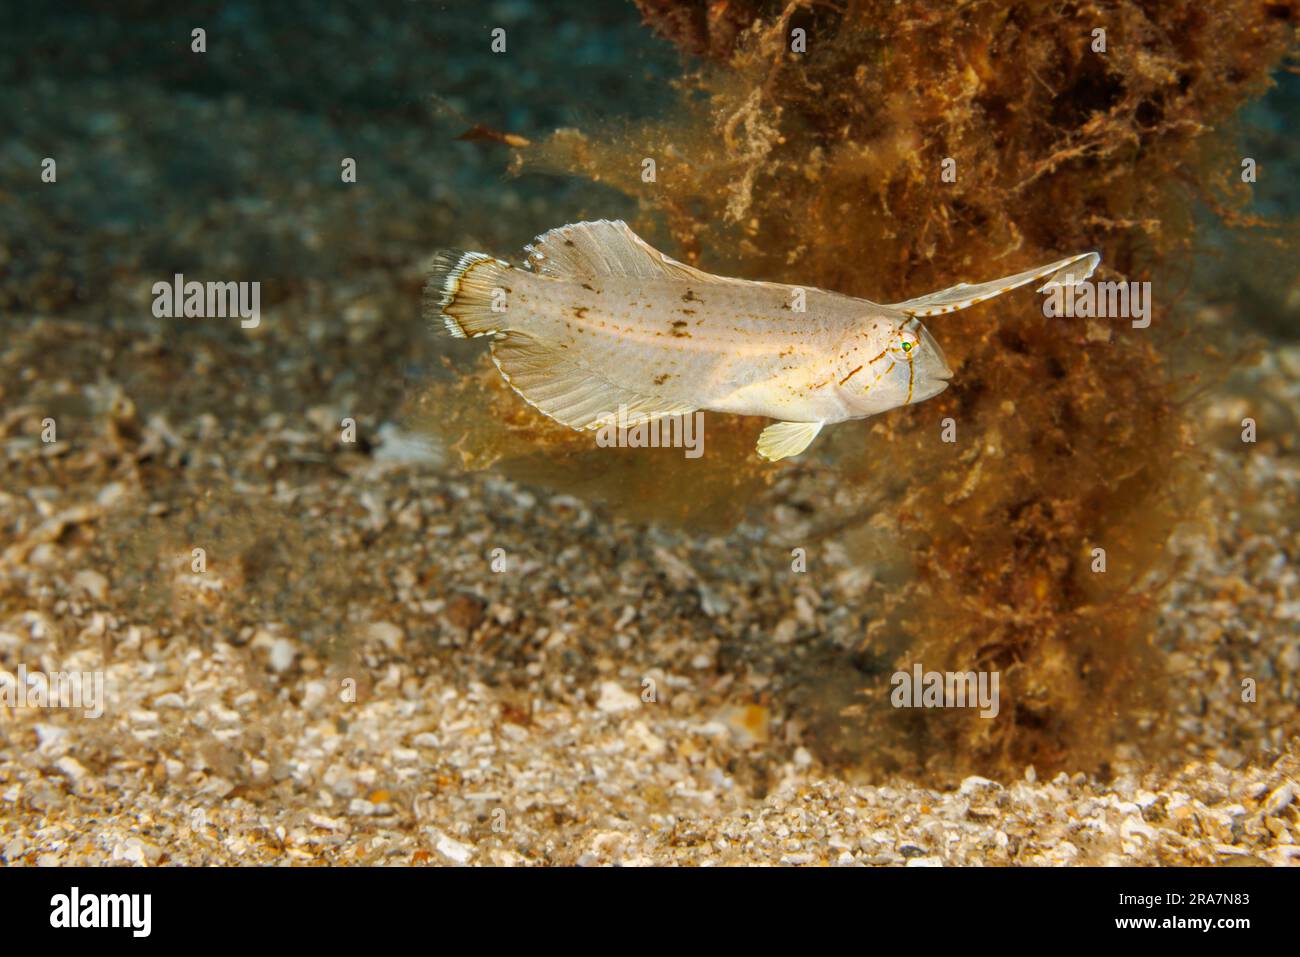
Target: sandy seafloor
pixel 498 718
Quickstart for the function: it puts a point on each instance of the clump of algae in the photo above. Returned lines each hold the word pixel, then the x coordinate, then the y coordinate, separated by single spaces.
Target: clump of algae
pixel 824 167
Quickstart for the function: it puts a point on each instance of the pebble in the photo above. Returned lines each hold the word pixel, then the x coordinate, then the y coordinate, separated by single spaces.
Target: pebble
pixel 387 634
pixel 71 767
pixel 282 655
pixel 614 698
pixel 1279 799
pixel 92 583
pixel 453 850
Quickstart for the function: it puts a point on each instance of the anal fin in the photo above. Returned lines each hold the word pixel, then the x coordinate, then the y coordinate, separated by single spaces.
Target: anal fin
pixel 784 439
pixel 572 394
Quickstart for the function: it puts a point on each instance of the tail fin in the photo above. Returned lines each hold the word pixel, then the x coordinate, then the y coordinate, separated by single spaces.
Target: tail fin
pixel 461 291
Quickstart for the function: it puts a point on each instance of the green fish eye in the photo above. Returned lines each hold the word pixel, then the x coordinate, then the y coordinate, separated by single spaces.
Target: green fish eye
pixel 907 347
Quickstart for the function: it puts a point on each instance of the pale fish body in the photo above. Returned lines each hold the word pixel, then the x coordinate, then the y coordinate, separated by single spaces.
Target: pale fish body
pixel 599 324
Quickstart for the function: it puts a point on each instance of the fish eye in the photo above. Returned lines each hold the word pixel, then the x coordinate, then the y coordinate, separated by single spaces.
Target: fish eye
pixel 907 346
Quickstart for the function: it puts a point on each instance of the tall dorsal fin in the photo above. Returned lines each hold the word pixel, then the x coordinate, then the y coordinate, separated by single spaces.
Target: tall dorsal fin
pixel 1064 271
pixel 604 248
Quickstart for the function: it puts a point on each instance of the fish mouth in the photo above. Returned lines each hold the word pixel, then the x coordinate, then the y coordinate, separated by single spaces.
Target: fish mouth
pixel 937 367
pixel 931 388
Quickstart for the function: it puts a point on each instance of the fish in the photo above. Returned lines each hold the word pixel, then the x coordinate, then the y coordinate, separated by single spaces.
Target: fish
pixel 598 326
pixel 486 134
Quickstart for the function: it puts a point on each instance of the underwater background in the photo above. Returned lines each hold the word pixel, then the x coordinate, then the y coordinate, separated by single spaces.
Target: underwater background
pixel 425 625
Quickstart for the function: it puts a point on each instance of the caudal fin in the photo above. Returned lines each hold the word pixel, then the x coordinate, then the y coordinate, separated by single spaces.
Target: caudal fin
pixel 462 291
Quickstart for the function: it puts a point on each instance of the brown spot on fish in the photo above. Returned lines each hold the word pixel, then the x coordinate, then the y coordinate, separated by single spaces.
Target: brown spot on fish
pixel 851 375
pixel 579 311
pixel 679 329
pixel 691 297
pixel 662 378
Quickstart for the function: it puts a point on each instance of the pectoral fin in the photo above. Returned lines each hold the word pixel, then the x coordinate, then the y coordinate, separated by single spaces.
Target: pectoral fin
pixel 784 439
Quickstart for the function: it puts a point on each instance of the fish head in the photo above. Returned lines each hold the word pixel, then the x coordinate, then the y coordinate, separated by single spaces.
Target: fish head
pixel 928 366
pixel 897 362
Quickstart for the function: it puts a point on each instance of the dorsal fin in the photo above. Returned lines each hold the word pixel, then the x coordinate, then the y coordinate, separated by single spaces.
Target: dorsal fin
pixel 1064 271
pixel 604 248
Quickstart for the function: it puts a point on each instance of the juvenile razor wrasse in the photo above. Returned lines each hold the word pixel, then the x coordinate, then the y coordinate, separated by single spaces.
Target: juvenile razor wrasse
pixel 598 324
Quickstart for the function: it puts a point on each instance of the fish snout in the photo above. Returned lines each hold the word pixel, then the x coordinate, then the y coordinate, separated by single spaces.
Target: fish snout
pixel 934 362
